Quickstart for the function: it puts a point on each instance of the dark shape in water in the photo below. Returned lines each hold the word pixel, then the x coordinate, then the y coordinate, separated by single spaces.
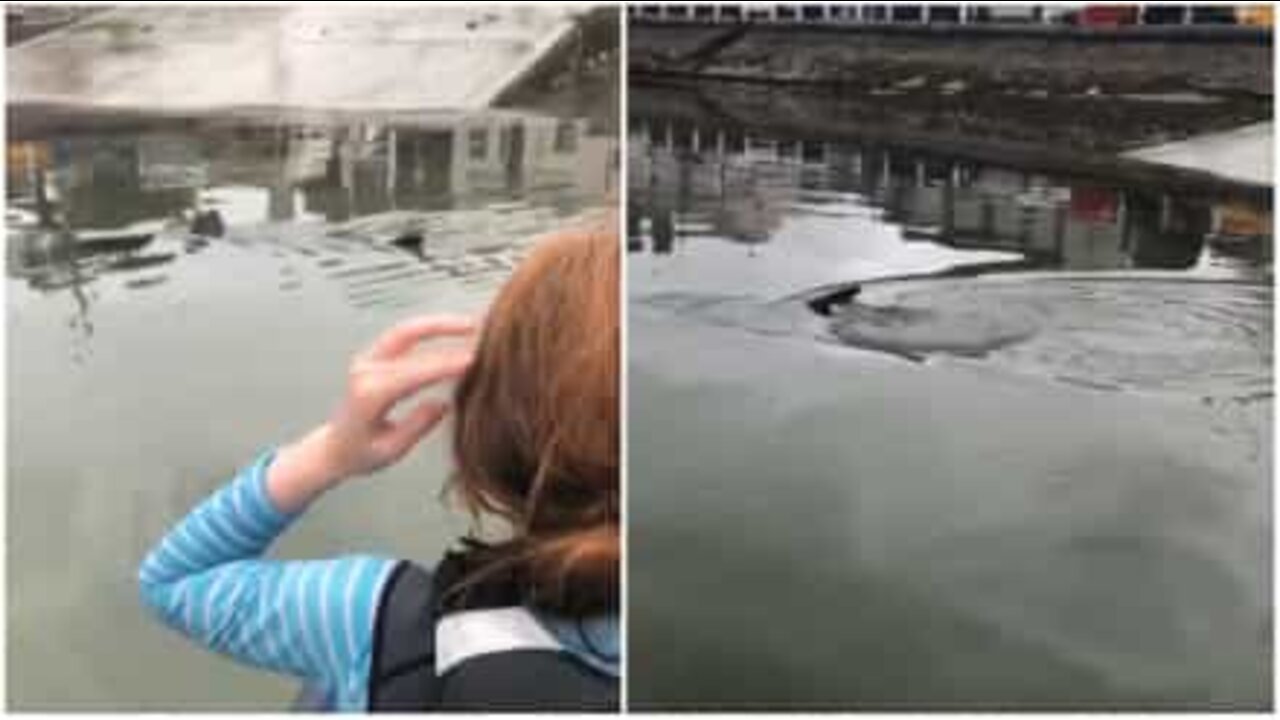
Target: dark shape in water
pixel 109 245
pixel 411 242
pixel 146 282
pixel 139 262
pixel 208 223
pixel 664 232
pixel 827 304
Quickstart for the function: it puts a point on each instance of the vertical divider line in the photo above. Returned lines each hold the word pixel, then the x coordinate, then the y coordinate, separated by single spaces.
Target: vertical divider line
pixel 5 449
pixel 623 464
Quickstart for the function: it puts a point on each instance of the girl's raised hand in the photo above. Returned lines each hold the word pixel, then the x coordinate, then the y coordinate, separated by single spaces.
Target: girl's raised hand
pixel 361 436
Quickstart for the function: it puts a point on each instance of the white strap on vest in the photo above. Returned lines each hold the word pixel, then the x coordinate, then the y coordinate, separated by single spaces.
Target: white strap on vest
pixel 464 635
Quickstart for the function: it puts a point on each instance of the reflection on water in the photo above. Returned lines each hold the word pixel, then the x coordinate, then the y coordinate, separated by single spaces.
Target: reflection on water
pixel 845 224
pixel 966 436
pixel 691 184
pixel 184 293
pixel 381 206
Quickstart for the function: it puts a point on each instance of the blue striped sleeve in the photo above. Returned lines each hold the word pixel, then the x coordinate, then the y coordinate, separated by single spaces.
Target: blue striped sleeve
pixel 312 619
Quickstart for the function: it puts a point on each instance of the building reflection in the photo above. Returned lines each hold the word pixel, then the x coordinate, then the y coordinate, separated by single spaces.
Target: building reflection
pixel 82 204
pixel 744 184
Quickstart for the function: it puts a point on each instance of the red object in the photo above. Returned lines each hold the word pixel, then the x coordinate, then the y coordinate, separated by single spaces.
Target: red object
pixel 1094 204
pixel 1108 15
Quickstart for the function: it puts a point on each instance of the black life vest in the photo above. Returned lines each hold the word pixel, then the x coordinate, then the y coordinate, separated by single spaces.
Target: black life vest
pixel 484 654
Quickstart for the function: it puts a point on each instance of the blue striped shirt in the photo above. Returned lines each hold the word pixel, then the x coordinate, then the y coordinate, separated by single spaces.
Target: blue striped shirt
pixel 311 619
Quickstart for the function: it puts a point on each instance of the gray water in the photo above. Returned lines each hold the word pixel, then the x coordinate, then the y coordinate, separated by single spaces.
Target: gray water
pixel 185 294
pixel 1026 465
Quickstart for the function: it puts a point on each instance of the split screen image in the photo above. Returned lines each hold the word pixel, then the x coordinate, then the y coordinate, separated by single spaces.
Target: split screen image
pixel 639 357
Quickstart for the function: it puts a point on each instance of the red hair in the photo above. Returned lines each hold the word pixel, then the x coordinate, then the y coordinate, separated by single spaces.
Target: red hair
pixel 536 424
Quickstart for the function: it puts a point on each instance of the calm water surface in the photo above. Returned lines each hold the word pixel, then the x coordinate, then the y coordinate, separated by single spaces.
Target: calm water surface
pixel 182 295
pixel 908 431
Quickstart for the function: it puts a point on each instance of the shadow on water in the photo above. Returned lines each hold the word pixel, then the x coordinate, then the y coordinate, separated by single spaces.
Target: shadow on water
pixel 1061 502
pixel 183 293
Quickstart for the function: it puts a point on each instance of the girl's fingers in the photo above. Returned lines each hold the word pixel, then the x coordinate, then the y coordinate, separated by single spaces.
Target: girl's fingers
pixel 400 338
pixel 412 427
pixel 404 378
